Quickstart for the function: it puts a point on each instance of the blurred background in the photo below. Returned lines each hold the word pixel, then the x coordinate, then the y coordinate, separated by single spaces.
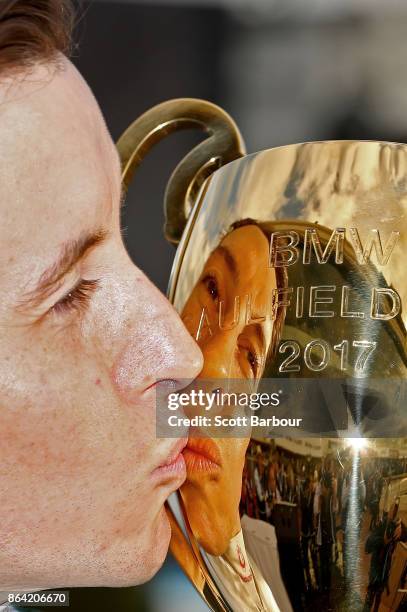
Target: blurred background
pixel 286 70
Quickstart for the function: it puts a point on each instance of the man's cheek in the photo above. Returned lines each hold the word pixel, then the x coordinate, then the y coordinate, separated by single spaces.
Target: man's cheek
pixel 66 421
pixel 53 443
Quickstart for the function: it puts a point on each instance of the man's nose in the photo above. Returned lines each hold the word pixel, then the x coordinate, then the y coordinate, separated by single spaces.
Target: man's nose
pixel 158 348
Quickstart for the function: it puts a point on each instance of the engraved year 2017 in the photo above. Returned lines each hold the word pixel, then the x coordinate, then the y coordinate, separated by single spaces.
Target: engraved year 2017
pixel 317 355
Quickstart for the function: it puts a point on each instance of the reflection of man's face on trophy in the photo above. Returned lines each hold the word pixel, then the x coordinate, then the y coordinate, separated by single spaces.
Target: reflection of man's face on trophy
pixel 226 309
pixel 225 312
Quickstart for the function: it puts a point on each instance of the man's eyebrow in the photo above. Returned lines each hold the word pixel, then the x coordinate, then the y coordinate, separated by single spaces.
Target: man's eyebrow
pixel 229 260
pixel 71 253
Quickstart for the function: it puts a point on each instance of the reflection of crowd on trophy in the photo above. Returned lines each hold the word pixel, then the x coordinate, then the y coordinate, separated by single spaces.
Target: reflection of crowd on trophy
pixel 339 522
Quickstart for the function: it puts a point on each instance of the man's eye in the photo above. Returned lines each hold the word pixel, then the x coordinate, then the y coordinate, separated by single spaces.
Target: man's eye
pixel 252 361
pixel 249 361
pixel 77 298
pixel 211 286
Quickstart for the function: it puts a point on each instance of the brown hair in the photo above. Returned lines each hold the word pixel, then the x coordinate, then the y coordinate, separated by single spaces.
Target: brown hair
pixel 32 31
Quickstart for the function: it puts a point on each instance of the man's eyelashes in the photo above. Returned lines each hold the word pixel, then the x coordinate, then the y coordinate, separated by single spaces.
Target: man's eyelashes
pixel 77 298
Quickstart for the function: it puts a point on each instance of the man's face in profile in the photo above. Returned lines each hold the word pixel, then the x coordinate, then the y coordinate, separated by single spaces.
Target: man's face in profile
pixel 85 337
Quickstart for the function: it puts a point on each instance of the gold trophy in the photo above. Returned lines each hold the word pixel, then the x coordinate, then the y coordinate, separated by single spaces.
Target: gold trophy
pixel 289 272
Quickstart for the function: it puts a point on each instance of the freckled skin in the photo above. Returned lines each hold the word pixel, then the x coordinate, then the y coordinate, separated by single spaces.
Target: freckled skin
pixel 78 504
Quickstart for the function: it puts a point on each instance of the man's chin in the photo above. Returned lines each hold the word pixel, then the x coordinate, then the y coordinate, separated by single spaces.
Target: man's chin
pixel 131 563
pixel 154 553
pixel 139 561
pixel 159 544
pixel 214 538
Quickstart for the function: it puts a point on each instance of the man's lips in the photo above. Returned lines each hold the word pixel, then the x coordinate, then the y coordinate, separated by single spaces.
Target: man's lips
pixel 202 455
pixel 173 465
pixel 175 451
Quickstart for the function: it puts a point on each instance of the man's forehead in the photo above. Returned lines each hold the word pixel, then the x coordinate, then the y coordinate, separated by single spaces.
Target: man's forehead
pixel 58 168
pixel 47 93
pixel 48 116
pixel 249 247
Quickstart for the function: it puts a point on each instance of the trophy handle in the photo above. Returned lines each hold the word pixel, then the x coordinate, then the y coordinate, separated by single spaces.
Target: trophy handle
pixel 224 144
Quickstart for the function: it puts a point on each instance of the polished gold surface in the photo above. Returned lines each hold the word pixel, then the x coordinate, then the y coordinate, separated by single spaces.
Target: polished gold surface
pixel 345 184
pixel 334 214
pixel 290 270
pixel 224 144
